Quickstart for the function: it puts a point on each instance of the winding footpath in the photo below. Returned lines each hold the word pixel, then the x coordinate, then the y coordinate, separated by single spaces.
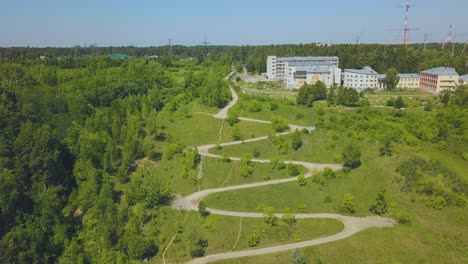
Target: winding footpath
pixel 352 225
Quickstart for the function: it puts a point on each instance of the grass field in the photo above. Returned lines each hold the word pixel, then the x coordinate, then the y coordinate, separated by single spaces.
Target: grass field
pixel 222 232
pixel 318 146
pixel 217 173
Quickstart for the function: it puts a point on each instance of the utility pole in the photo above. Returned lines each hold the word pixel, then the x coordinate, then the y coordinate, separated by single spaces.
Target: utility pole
pixel 464 48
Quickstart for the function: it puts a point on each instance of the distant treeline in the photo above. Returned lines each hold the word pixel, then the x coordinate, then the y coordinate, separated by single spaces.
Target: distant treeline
pixel 381 57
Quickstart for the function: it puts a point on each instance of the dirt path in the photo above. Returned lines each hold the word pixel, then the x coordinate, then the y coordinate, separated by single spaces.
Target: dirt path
pixel 190 202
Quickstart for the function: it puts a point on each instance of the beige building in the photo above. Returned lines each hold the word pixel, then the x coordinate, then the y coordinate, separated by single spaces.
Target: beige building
pixel 408 80
pixel 439 79
pixel 464 79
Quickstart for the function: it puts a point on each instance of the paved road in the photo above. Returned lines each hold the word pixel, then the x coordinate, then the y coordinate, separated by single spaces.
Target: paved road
pixel 190 202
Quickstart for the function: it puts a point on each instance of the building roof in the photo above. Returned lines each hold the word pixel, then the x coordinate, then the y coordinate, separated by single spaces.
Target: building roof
pixel 408 75
pixel 310 63
pixel 382 76
pixel 314 69
pixel 464 78
pixel 441 71
pixel 366 70
pixel 117 56
pixel 309 58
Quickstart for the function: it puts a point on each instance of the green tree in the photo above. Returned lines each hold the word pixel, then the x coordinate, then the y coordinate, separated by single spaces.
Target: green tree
pixel 301 181
pixel 392 79
pixel 296 140
pixel 379 207
pixel 399 103
pixel 202 210
pixel 352 155
pixel 319 91
pixel 304 94
pixel 348 205
pixel 245 165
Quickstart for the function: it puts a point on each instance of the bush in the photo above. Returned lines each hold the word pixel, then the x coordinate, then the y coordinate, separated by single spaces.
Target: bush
pixel 236 134
pixel 460 200
pixel 297 257
pixel 301 181
pixel 273 106
pixel 279 124
pixel 352 156
pixel 390 102
pixel 327 199
pixel 245 165
pixel 292 169
pixel 269 217
pixel 379 207
pixel 225 157
pixel 403 218
pixel 437 202
pixel 254 106
pixel 202 210
pixel 256 152
pixel 318 178
pixel 278 163
pixel 289 219
pixel 328 173
pixel 348 205
pixel 296 140
pixel 399 103
pixel 253 239
pixel 232 119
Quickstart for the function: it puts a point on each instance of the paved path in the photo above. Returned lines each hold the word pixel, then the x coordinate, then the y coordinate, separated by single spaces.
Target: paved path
pixel 223 113
pixel 352 225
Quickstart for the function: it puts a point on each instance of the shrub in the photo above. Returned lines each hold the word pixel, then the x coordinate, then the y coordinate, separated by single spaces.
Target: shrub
pixel 279 124
pixel 379 207
pixel 352 156
pixel 348 205
pixel 253 239
pixel 318 178
pixel 327 199
pixel 292 169
pixel 328 173
pixel 296 140
pixel 273 106
pixel 278 163
pixel 390 102
pixel 254 106
pixel 297 257
pixel 437 202
pixel 236 134
pixel 460 200
pixel 256 152
pixel 403 217
pixel 269 217
pixel 232 119
pixel 225 157
pixel 202 210
pixel 301 181
pixel 289 219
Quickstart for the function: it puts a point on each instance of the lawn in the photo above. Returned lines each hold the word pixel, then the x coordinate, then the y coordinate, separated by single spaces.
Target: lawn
pixel 218 173
pixel 222 232
pixel 318 146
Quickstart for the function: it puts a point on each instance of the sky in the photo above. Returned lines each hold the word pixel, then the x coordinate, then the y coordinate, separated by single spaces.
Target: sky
pixel 65 23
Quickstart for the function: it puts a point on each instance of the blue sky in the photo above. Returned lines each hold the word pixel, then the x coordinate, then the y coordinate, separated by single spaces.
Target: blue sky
pixel 239 22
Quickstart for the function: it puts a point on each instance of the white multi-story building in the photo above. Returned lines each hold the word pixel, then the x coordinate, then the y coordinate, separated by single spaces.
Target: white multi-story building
pixel 277 67
pixel 325 72
pixel 360 79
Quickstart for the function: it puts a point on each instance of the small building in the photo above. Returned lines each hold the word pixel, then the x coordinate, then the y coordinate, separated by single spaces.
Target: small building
pixel 439 79
pixel 408 80
pixel 117 56
pixel 464 79
pixel 360 79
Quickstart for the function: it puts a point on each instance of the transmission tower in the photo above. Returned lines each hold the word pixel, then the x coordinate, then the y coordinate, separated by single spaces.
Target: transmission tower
pixel 206 43
pixel 426 35
pixel 407 29
pixel 169 44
